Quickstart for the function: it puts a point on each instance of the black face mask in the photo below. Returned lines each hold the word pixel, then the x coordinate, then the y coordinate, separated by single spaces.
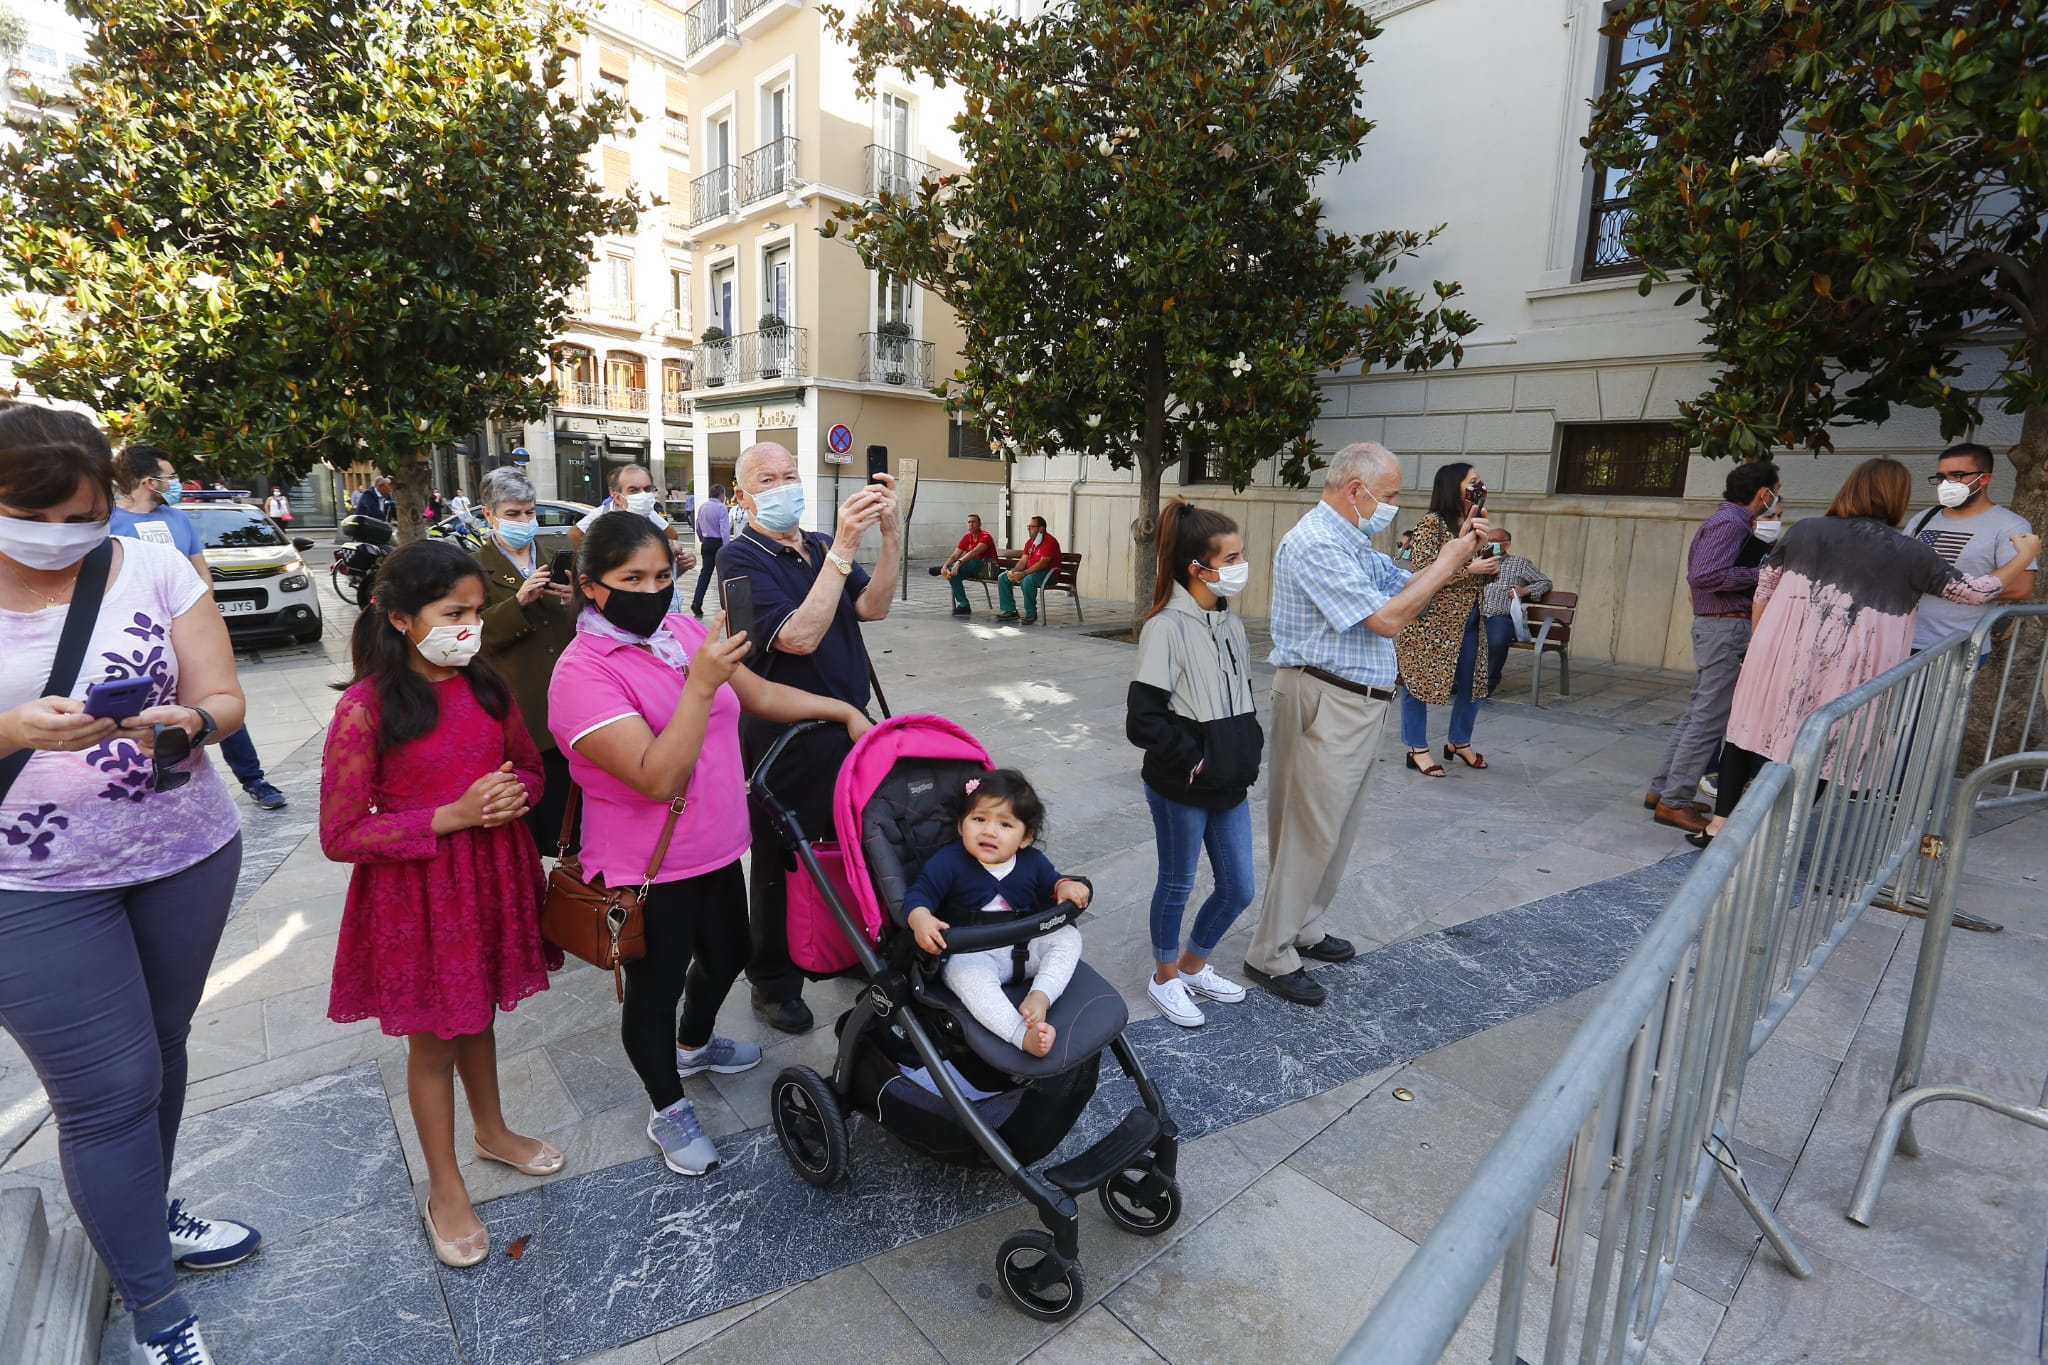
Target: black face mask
pixel 636 613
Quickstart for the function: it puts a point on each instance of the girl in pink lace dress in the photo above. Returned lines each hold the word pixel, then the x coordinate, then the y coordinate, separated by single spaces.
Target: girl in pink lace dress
pixel 428 768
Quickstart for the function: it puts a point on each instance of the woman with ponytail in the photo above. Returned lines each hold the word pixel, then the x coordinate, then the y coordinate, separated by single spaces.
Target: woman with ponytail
pixel 1191 710
pixel 426 773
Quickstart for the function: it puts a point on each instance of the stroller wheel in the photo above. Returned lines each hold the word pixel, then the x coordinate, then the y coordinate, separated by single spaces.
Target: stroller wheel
pixel 1141 1200
pixel 811 1124
pixel 1033 1278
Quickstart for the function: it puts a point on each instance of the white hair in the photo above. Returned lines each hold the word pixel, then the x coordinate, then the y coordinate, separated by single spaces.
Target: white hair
pixel 505 484
pixel 759 450
pixel 1362 460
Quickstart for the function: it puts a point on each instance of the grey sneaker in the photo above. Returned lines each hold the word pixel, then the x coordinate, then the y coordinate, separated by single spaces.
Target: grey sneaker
pixel 684 1146
pixel 726 1056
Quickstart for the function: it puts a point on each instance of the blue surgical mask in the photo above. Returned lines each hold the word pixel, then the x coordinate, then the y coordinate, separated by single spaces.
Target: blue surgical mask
pixel 517 534
pixel 174 492
pixel 780 508
pixel 1382 517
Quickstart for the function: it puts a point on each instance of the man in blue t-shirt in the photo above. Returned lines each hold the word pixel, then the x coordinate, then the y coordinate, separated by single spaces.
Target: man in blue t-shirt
pixel 147 510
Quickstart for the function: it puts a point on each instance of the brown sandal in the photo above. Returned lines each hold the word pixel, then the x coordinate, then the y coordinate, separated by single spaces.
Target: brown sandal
pixel 1433 770
pixel 1464 754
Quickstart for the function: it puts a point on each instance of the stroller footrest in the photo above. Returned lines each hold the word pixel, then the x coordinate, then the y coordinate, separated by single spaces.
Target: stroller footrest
pixel 1113 1151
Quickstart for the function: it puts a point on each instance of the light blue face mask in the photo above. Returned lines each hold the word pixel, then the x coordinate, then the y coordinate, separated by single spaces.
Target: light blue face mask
pixel 1382 517
pixel 517 534
pixel 174 492
pixel 780 508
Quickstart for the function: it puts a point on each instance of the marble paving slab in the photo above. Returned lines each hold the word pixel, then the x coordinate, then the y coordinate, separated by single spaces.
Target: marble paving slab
pixel 623 1253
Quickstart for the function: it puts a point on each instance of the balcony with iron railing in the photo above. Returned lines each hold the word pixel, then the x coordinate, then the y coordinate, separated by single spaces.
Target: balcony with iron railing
pixel 776 353
pixel 760 14
pixel 708 33
pixel 890 359
pixel 576 393
pixel 675 404
pixel 675 129
pixel 711 194
pixel 891 172
pixel 767 171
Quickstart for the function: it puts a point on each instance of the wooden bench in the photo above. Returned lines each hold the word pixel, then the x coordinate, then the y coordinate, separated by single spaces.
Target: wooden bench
pixel 1550 629
pixel 1061 579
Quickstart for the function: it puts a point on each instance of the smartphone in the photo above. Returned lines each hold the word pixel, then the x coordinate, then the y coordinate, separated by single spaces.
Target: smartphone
pixel 878 461
pixel 1477 494
pixel 739 607
pixel 563 570
pixel 118 699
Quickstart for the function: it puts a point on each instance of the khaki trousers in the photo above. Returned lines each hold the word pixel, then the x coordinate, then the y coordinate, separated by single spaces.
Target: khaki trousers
pixel 1324 741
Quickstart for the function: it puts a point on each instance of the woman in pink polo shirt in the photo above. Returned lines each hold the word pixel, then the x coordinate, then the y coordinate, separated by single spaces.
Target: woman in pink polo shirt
pixel 648 708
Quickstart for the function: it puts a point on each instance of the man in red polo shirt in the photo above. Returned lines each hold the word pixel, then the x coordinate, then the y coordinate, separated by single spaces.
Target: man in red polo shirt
pixel 973 557
pixel 1040 560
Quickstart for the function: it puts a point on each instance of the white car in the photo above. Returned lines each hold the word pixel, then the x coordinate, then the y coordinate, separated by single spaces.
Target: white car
pixel 260 579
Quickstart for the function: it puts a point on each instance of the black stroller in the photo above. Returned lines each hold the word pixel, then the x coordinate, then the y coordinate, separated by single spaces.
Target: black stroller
pixel 912 1058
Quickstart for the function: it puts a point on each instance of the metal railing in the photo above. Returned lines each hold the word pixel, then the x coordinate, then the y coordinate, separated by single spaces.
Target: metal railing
pixel 675 404
pixel 575 393
pixel 888 359
pixel 1640 1109
pixel 776 353
pixel 676 128
pixel 711 195
pixel 704 23
pixel 891 172
pixel 768 170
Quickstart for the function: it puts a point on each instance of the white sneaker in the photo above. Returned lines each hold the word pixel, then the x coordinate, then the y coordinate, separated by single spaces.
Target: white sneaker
pixel 179 1345
pixel 1175 1003
pixel 1706 788
pixel 1206 985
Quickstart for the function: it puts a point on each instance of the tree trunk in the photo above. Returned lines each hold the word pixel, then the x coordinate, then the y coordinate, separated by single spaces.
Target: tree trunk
pixel 409 482
pixel 1151 465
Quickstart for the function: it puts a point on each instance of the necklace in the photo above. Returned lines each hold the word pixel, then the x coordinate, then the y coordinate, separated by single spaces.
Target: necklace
pixel 70 584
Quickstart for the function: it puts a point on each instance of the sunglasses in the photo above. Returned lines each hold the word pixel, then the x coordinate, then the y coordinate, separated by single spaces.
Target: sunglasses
pixel 173 745
pixel 1957 476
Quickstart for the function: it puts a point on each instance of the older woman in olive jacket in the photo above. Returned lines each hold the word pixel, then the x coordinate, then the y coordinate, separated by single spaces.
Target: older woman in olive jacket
pixel 528 621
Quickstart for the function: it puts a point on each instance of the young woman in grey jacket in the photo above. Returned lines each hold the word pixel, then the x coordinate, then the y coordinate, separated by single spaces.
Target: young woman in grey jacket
pixel 1190 709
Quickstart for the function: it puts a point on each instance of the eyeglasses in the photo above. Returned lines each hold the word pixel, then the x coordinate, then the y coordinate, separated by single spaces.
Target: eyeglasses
pixel 1957 476
pixel 172 745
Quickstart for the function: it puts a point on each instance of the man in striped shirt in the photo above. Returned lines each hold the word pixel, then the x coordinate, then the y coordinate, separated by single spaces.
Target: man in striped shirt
pixel 1337 605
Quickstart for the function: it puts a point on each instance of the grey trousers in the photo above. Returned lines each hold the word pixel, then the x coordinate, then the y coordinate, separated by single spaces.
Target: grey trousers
pixel 1323 742
pixel 1718 645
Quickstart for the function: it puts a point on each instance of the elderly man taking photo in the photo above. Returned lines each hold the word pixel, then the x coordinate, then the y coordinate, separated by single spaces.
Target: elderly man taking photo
pixel 1337 605
pixel 809 600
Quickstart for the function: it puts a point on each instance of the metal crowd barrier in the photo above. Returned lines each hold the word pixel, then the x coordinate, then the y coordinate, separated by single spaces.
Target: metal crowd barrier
pixel 1639 1109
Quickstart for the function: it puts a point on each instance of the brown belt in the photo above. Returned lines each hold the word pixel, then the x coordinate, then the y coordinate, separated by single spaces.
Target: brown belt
pixel 1724 615
pixel 1376 693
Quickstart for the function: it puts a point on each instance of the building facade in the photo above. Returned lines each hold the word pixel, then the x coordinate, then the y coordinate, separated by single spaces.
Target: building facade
pixel 798 342
pixel 1567 392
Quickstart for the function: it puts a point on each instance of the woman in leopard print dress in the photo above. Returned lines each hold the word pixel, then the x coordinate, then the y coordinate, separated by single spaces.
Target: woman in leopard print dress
pixel 1442 652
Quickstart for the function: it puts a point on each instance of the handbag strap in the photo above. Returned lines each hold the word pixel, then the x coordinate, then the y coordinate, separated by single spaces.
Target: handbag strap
pixel 87 592
pixel 568 820
pixel 876 683
pixel 668 829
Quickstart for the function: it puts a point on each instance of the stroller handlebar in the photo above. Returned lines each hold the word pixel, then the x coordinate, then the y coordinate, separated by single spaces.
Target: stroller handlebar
pixel 979 938
pixel 757 781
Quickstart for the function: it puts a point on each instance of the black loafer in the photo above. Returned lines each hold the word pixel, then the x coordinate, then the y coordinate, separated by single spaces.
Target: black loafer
pixel 963 611
pixel 1296 988
pixel 1007 616
pixel 788 1016
pixel 1330 949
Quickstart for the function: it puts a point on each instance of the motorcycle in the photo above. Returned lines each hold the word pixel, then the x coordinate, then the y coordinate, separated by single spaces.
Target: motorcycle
pixel 468 532
pixel 366 540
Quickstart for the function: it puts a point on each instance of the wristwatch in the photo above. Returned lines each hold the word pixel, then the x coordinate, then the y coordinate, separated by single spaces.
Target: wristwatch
pixel 844 565
pixel 208 727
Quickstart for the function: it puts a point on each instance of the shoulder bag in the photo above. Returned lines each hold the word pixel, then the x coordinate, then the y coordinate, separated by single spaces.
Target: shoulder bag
pixel 79 619
pixel 603 925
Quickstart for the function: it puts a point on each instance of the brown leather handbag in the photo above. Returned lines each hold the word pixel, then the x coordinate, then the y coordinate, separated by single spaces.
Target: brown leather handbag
pixel 603 925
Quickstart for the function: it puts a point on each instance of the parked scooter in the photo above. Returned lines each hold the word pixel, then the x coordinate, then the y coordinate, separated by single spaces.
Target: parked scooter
pixel 366 540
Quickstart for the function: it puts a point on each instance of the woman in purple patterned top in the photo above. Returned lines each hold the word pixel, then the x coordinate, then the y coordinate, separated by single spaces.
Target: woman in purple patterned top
pixel 116 870
pixel 1835 604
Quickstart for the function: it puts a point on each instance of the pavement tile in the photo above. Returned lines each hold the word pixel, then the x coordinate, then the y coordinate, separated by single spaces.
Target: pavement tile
pixel 1097 1337
pixel 1782 1094
pixel 1504 1064
pixel 221 1041
pixel 820 1322
pixel 2016 1150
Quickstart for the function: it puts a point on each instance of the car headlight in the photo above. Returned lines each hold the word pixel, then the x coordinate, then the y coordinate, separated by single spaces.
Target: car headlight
pixel 297 582
pixel 292 566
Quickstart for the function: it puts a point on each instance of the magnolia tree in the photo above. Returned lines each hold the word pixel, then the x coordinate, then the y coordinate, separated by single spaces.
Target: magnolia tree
pixel 271 232
pixel 1136 252
pixel 1857 194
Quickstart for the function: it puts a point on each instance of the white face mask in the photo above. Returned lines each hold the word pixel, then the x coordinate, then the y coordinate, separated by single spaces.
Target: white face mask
pixel 49 545
pixel 1768 531
pixel 1231 579
pixel 451 646
pixel 643 502
pixel 1954 494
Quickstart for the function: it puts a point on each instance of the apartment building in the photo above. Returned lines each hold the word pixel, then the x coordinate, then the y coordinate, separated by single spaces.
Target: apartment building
pixel 1566 398
pixel 798 342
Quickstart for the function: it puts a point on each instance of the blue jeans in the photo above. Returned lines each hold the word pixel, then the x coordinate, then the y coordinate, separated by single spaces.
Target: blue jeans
pixel 1464 711
pixel 240 752
pixel 1500 633
pixel 1183 832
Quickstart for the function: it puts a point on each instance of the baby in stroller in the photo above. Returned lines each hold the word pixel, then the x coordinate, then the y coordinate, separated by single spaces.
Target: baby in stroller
pixel 994 875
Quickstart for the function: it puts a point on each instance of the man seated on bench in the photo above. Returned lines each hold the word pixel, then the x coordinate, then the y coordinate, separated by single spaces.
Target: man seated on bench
pixel 1039 561
pixel 974 557
pixel 1517 578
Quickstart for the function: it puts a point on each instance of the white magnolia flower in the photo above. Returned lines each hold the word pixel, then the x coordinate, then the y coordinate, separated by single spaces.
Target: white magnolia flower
pixel 1094 420
pixel 1239 365
pixel 1103 146
pixel 1126 133
pixel 205 280
pixel 1024 376
pixel 1770 160
pixel 371 176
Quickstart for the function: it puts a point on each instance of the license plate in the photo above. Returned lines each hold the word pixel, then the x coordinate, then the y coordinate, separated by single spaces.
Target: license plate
pixel 237 608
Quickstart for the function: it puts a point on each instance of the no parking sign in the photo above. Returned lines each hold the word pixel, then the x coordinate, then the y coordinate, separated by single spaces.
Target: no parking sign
pixel 839 442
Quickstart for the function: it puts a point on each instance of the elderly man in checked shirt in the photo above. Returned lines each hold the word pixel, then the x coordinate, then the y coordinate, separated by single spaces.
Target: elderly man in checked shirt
pixel 1723 589
pixel 1337 605
pixel 1517 578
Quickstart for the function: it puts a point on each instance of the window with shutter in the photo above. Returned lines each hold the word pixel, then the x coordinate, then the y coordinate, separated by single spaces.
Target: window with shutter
pixel 618 171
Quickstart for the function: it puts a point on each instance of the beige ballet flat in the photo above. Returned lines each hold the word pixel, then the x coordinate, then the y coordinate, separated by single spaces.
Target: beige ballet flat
pixel 458 1255
pixel 547 1162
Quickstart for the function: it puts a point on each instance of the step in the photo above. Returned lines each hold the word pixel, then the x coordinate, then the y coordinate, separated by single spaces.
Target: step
pixel 53 1288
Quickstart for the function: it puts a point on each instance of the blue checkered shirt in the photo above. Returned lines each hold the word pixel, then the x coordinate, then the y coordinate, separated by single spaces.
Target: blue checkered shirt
pixel 1327 579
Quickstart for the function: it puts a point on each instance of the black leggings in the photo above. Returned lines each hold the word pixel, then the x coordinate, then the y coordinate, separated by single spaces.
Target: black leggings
pixel 1739 768
pixel 697 943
